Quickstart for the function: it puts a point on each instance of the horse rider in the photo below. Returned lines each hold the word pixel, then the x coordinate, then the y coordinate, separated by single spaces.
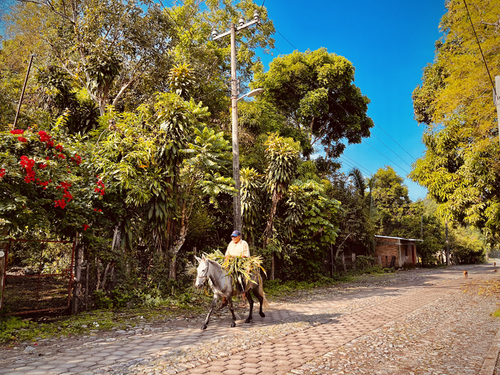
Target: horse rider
pixel 237 247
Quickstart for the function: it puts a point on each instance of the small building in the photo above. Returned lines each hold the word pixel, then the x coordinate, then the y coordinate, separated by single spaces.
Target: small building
pixel 396 251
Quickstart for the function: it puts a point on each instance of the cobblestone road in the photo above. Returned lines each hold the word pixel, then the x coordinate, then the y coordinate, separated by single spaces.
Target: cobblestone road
pixel 426 325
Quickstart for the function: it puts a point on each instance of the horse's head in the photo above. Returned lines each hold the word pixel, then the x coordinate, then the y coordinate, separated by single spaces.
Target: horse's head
pixel 202 271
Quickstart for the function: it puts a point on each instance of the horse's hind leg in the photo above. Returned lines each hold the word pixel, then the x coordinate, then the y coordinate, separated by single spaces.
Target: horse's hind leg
pixel 260 297
pixel 250 301
pixel 231 308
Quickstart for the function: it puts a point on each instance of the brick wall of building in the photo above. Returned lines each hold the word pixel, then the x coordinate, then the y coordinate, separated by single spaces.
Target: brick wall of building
pixel 403 250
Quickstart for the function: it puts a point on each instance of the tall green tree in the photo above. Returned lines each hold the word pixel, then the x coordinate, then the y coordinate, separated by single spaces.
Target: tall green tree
pixel 461 164
pixel 314 90
pixel 282 156
pixel 390 200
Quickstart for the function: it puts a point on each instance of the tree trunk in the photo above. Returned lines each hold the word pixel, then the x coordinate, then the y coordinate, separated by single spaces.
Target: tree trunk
pixel 77 281
pixel 272 266
pixel 176 247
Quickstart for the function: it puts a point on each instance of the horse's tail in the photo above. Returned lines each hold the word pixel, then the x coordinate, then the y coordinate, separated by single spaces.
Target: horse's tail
pixel 265 304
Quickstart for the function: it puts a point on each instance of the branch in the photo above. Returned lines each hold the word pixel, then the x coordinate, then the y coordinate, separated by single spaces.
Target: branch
pixel 49 4
pixel 122 90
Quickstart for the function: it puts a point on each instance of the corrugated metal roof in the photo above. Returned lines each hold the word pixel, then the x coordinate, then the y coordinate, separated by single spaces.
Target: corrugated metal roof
pixel 399 238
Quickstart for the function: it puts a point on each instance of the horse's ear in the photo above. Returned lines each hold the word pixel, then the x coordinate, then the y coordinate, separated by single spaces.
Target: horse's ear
pixel 198 259
pixel 204 258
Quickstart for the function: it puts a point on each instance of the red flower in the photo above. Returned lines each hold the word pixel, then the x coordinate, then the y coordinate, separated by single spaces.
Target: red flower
pixel 60 203
pixel 2 172
pixel 61 156
pixel 65 185
pixel 77 159
pixel 17 131
pixel 22 139
pixel 59 147
pixel 44 137
pixel 47 158
pixel 42 166
pixel 28 164
pixel 85 226
pixel 50 143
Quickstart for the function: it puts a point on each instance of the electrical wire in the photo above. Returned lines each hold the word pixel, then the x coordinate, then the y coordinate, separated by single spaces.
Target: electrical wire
pixel 390 149
pixel 286 39
pixel 356 163
pixel 480 49
pixel 386 157
pixel 402 148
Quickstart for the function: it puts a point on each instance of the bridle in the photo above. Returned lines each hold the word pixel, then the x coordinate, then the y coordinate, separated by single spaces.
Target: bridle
pixel 204 273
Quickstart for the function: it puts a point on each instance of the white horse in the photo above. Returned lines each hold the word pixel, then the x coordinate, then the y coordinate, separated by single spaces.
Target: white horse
pixel 222 286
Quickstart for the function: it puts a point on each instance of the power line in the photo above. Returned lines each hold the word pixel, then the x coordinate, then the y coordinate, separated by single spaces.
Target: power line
pixel 387 158
pixel 392 151
pixel 479 45
pixel 402 148
pixel 360 166
pixel 286 39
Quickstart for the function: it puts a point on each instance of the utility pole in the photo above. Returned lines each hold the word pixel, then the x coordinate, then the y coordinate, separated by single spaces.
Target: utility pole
pixel 496 100
pixel 234 111
pixel 447 246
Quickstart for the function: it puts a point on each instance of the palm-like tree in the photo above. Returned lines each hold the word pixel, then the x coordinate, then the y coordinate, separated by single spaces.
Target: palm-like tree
pixel 282 155
pixel 359 181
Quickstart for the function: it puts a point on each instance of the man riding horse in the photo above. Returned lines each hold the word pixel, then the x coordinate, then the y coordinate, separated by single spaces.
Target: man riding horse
pixel 237 248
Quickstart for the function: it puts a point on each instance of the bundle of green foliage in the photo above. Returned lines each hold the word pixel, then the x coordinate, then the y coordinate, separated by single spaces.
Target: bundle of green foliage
pixel 237 266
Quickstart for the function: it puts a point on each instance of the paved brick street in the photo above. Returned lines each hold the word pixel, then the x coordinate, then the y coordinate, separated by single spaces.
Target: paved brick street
pixel 313 329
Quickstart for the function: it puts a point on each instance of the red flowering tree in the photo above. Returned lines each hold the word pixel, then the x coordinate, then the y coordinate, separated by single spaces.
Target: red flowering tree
pixel 45 182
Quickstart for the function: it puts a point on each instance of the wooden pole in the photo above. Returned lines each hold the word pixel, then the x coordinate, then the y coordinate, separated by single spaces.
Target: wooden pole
pixel 496 100
pixel 447 246
pixel 234 124
pixel 22 92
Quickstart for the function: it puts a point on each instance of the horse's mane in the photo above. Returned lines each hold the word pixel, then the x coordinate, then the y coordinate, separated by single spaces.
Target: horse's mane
pixel 215 263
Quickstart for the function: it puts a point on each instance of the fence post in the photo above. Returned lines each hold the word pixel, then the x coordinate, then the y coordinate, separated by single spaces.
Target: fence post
pixel 380 259
pixel 78 274
pixel 354 260
pixel 4 251
pixel 343 263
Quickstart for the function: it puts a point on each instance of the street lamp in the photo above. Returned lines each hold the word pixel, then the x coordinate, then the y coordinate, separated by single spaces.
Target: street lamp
pixel 234 110
pixel 254 92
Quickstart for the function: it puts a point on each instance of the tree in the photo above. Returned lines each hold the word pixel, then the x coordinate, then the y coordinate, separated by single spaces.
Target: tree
pixel 390 200
pixel 315 92
pixel 461 165
pixel 353 216
pixel 309 227
pixel 281 156
pixel 161 160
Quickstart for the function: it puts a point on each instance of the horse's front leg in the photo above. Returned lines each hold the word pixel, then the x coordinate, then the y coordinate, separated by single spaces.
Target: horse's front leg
pixel 212 306
pixel 250 302
pixel 231 308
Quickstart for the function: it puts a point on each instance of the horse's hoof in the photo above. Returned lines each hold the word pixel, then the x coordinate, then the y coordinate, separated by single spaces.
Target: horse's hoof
pixel 262 314
pixel 204 326
pixel 233 324
pixel 248 320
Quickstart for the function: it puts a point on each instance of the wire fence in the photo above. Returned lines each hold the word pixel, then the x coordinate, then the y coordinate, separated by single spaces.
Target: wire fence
pixel 37 276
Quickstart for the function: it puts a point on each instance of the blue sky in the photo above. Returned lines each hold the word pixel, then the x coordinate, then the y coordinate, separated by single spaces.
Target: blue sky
pixel 389 42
